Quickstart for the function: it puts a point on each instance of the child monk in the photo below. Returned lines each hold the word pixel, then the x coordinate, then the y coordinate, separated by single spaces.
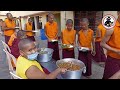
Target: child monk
pixel 68 36
pixel 51 31
pixel 13 43
pixel 100 56
pixel 85 39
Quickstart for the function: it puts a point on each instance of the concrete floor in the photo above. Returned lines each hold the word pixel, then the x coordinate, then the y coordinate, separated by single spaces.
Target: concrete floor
pixel 97 71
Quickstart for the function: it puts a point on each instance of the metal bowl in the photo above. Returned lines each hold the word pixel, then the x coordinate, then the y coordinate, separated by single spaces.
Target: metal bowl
pixel 47 56
pixel 72 74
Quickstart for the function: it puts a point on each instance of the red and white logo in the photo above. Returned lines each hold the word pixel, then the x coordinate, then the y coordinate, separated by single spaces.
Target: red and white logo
pixel 108 21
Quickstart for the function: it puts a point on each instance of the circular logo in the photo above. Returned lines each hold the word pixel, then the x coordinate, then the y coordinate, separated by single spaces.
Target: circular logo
pixel 108 21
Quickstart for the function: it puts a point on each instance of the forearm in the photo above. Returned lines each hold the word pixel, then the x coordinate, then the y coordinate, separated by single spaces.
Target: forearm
pixel 54 74
pixel 104 45
pixel 46 36
pixel 8 29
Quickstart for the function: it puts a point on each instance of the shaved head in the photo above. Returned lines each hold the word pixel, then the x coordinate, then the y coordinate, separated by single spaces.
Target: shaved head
pixel 85 20
pixel 50 14
pixel 20 34
pixel 24 43
pixel 50 17
pixel 84 23
pixel 69 21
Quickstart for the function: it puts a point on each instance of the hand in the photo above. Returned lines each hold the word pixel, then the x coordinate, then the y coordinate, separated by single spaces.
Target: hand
pixel 63 70
pixel 93 52
pixel 49 40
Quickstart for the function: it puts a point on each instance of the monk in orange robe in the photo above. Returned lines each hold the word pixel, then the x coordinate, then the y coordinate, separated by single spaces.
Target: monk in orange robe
pixel 111 42
pixel 29 29
pixel 100 56
pixel 13 43
pixel 85 39
pixel 51 31
pixel 9 27
pixel 68 36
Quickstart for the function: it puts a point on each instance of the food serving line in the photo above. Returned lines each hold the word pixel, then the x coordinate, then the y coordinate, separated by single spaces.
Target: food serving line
pixel 45 59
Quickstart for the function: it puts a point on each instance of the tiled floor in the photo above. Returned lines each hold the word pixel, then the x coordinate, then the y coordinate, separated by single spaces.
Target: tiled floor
pixel 97 71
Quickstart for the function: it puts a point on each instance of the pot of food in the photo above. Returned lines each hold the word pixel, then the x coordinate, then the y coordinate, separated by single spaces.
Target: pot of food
pixel 75 68
pixel 45 55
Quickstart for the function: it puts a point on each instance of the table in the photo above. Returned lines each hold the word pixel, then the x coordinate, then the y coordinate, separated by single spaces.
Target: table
pixel 50 66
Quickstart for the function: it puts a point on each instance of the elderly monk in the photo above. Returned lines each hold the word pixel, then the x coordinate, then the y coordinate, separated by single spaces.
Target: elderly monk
pixel 100 56
pixel 111 42
pixel 9 27
pixel 51 31
pixel 27 67
pixel 29 29
pixel 85 39
pixel 68 37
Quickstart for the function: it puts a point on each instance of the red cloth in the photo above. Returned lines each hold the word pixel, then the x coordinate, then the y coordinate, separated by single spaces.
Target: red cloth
pixel 86 58
pixel 54 46
pixel 112 65
pixel 46 71
pixel 68 53
pixel 100 56
pixel 7 39
pixel 14 48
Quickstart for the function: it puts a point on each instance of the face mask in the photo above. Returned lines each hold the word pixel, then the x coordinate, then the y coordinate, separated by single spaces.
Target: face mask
pixel 32 56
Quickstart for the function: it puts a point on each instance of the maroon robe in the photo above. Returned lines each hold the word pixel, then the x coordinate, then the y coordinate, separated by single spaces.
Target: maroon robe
pixel 112 65
pixel 14 48
pixel 99 56
pixel 7 39
pixel 68 53
pixel 86 58
pixel 54 46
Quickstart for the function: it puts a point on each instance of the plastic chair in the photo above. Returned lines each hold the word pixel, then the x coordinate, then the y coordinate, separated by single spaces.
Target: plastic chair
pixel 10 57
pixel 6 47
pixel 14 76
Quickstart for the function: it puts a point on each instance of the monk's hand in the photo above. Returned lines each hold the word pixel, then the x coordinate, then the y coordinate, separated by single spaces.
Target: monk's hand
pixel 93 52
pixel 49 40
pixel 63 70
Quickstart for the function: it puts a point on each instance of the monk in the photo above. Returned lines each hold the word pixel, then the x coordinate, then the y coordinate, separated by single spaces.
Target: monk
pixel 27 67
pixel 28 28
pixel 9 27
pixel 111 42
pixel 68 36
pixel 13 43
pixel 51 31
pixel 100 56
pixel 85 39
pixel 14 40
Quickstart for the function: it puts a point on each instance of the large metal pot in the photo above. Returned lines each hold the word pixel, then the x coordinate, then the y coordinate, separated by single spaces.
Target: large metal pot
pixel 47 56
pixel 73 74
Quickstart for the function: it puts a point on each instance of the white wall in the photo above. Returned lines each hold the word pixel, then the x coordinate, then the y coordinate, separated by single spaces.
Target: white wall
pixel 2 17
pixel 69 15
pixel 114 13
pixel 24 13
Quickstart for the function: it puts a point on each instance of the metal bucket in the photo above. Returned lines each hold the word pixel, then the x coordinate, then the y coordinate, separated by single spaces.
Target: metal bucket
pixel 73 74
pixel 46 57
